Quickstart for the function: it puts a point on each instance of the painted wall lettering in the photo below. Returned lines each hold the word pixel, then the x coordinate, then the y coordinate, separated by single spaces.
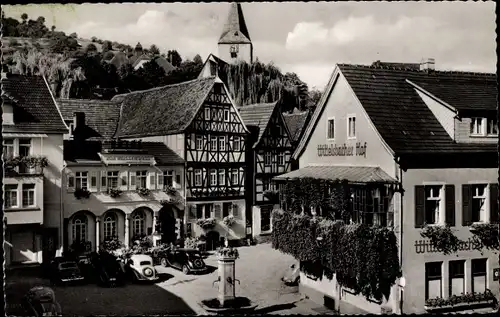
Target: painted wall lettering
pixel 342 150
pixel 424 246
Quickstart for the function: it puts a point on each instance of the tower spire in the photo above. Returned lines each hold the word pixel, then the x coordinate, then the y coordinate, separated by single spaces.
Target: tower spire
pixel 235 30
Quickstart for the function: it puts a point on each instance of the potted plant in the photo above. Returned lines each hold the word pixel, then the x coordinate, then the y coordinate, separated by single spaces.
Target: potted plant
pixel 228 220
pixel 467 299
pixel 227 252
pixel 114 192
pixel 143 191
pixel 82 193
pixel 111 244
pixel 12 162
pixel 170 190
pixel 206 224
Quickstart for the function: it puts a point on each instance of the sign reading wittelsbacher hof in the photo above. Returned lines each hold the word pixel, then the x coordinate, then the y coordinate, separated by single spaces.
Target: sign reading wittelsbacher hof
pixel 342 150
pixel 425 246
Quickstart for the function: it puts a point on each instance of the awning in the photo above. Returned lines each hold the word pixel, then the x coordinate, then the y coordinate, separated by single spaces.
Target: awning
pixel 24 135
pixel 353 174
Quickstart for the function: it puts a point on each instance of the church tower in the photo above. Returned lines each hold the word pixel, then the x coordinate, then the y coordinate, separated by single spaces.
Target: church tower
pixel 235 43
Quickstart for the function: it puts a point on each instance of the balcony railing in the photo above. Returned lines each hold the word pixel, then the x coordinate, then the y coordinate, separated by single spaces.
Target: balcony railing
pixel 24 165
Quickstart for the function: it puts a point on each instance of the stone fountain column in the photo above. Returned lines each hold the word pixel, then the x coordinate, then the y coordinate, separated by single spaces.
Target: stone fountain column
pixel 226 278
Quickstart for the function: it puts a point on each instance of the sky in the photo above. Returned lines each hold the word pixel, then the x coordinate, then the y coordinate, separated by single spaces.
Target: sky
pixel 305 38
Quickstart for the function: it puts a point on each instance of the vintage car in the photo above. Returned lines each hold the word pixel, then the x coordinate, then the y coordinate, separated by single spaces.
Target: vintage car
pixel 103 268
pixel 292 275
pixel 187 260
pixel 140 268
pixel 63 271
pixel 40 301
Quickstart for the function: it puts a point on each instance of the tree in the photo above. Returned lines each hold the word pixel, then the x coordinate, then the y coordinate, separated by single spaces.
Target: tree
pixel 73 35
pixel 24 17
pixel 91 48
pixel 197 59
pixel 152 74
pixel 94 39
pixel 107 56
pixel 154 50
pixel 174 58
pixel 106 46
pixel 314 96
pixel 53 28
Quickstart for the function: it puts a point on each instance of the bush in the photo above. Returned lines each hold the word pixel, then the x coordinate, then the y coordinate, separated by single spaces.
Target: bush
pixel 206 224
pixel 228 220
pixel 110 245
pixel 191 243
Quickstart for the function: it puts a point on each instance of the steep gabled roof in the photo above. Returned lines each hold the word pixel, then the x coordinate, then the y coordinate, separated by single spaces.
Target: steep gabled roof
pixel 162 110
pixel 163 63
pixel 296 123
pixel 141 58
pixel 35 109
pixel 101 116
pixel 257 115
pixel 401 117
pixel 162 153
pixel 235 30
pixel 119 59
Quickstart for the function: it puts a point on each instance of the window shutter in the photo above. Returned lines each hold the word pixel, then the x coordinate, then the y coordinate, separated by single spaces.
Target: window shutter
pixel 104 183
pixel 151 180
pixel 132 183
pixel 123 180
pixel 235 211
pixel 71 181
pixel 192 212
pixel 217 211
pixel 178 181
pixel 160 180
pixel 450 205
pixel 419 206
pixel 494 211
pixel 466 205
pixel 93 181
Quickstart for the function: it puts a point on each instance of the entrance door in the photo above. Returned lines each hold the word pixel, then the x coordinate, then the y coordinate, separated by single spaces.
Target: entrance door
pixel 49 244
pixel 22 247
pixel 213 238
pixel 167 224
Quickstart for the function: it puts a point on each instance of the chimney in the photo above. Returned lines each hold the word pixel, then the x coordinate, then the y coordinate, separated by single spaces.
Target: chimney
pixel 427 64
pixel 79 120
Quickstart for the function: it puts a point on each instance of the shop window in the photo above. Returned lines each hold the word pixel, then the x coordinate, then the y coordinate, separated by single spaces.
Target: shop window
pixel 456 274
pixel 141 179
pixel 28 195
pixel 479 206
pixel 433 280
pixel 265 219
pixel 433 204
pixel 479 276
pixel 331 129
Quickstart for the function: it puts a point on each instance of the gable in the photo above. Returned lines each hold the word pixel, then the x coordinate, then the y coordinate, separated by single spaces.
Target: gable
pixel 276 133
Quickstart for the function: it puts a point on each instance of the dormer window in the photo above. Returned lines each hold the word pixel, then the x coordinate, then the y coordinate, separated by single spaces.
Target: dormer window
pixel 7 113
pixel 492 126
pixel 481 126
pixel 213 68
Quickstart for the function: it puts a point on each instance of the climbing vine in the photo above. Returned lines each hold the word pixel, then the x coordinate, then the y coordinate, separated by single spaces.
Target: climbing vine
pixel 441 238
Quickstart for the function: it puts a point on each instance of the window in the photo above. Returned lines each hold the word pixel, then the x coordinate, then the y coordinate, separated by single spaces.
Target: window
pixel 236 143
pixel 456 276
pixel 168 178
pixel 113 179
pixel 281 159
pixel 93 180
pixel 265 185
pixel 28 195
pixel 178 179
pixel 267 158
pixel 377 207
pixel 199 142
pixel 208 210
pixel 213 143
pixel 207 113
pixel 222 177
pixel 213 177
pixel 138 224
pixel 477 126
pixel 265 219
pixel 479 195
pixel 351 126
pixel 492 127
pixel 226 208
pixel 24 147
pixel 213 68
pixel 110 226
pixel 197 177
pixel 222 143
pixel 141 179
pixel 226 115
pixel 433 204
pixel 478 271
pixel 234 177
pixel 331 129
pixel 199 211
pixel 8 148
pixel 79 228
pixel 81 180
pixel 10 196
pixel 433 280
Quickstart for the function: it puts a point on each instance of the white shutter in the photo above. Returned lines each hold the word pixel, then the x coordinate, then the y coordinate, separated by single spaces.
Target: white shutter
pixel 93 181
pixel 123 180
pixel 104 181
pixel 132 181
pixel 160 180
pixel 70 181
pixel 151 181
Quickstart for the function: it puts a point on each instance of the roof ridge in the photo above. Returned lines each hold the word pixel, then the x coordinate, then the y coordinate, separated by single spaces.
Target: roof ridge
pixel 387 67
pixel 85 99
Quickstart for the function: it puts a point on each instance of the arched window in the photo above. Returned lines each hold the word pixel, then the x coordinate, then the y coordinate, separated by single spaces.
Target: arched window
pixel 80 228
pixel 110 225
pixel 138 223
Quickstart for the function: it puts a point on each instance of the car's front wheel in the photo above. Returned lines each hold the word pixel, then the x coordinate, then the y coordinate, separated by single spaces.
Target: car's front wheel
pixel 185 269
pixel 164 262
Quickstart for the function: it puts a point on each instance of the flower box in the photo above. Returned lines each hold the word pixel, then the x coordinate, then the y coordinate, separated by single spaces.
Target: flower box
pixel 206 224
pixel 227 253
pixel 170 190
pixel 114 192
pixel 82 193
pixel 461 302
pixel 143 191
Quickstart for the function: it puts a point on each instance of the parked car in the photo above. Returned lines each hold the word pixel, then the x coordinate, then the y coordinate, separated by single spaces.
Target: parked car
pixel 187 260
pixel 104 269
pixel 140 268
pixel 292 275
pixel 65 271
pixel 40 301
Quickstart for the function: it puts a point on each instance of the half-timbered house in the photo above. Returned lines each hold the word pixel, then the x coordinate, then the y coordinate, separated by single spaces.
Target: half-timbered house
pixel 199 121
pixel 269 154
